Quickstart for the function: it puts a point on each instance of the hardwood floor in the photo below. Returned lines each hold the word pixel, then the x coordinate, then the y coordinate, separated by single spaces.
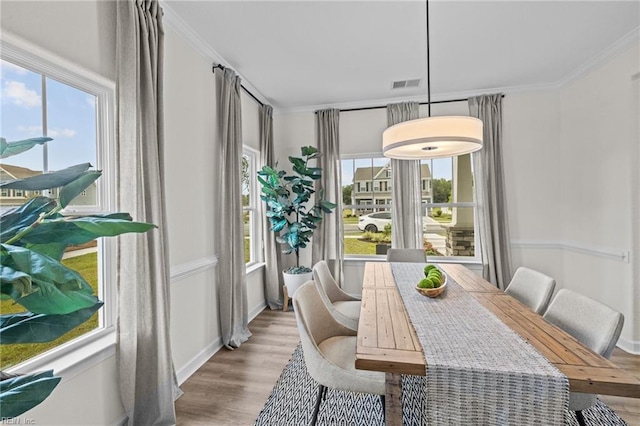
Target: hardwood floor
pixel 232 387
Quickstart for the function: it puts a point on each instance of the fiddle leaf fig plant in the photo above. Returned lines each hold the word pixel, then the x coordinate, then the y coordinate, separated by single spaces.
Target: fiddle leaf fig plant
pixel 287 197
pixel 33 240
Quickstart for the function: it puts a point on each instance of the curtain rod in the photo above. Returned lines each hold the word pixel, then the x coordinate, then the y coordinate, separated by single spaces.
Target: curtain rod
pixel 419 103
pixel 222 67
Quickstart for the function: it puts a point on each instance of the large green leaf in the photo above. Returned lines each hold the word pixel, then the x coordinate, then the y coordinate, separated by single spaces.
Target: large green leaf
pixel 14 220
pixel 27 327
pixel 309 151
pixel 75 188
pixel 80 230
pixel 7 149
pixel 22 393
pixel 48 180
pixel 55 289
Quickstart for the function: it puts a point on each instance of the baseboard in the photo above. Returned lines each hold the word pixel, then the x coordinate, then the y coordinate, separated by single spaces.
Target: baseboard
pixel 198 361
pixel 256 311
pixel 629 346
pixel 121 421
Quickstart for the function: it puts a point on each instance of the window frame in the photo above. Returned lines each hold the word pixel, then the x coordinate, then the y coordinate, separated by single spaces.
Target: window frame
pixel 94 346
pixel 476 258
pixel 255 240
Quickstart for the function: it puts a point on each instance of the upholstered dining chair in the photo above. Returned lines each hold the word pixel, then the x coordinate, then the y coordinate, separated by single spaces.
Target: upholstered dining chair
pixel 344 307
pixel 532 288
pixel 329 349
pixel 406 255
pixel 594 324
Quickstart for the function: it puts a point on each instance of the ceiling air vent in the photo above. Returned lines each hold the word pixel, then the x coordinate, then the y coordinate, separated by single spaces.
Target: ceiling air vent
pixel 400 84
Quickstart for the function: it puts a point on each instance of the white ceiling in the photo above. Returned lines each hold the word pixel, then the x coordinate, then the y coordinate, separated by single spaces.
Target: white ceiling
pixel 308 54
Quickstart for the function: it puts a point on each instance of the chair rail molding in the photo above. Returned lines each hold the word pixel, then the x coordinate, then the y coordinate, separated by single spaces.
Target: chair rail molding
pixel 185 270
pixel 622 255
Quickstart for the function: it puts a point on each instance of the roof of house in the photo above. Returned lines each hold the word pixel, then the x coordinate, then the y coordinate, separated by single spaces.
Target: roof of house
pixel 365 173
pixel 16 172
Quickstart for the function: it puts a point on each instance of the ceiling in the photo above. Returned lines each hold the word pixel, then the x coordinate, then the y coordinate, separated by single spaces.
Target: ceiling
pixel 307 54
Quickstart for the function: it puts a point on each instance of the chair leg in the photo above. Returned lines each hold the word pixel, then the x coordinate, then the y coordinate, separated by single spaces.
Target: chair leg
pixel 384 408
pixel 285 299
pixel 321 392
pixel 580 418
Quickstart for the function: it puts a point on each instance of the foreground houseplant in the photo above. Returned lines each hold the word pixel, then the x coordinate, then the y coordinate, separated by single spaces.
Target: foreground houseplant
pixel 290 213
pixel 33 239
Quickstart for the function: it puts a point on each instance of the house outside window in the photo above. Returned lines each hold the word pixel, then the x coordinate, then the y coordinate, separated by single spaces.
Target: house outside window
pixel 47 96
pixel 250 197
pixel 448 208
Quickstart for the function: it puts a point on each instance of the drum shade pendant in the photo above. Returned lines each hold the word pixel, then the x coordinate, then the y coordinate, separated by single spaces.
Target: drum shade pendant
pixel 432 137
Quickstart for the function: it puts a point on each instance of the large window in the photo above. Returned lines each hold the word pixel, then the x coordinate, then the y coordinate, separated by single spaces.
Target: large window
pixel 249 206
pixel 448 209
pixel 44 96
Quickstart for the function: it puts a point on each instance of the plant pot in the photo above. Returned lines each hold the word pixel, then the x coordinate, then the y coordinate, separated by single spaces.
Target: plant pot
pixel 382 248
pixel 294 281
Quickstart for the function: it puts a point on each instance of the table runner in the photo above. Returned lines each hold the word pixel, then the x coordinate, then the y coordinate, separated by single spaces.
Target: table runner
pixel 479 371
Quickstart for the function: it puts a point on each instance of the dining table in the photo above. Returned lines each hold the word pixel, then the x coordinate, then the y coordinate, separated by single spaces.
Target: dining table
pixel 387 340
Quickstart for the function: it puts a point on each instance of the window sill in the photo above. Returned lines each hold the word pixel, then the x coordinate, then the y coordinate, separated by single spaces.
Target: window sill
pixel 75 358
pixel 253 267
pixel 381 258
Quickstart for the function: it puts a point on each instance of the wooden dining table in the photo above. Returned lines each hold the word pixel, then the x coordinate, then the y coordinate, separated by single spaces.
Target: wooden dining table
pixel 387 340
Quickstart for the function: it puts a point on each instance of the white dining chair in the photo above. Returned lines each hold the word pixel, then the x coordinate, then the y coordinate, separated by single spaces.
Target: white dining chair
pixel 329 350
pixel 344 307
pixel 532 288
pixel 594 324
pixel 406 255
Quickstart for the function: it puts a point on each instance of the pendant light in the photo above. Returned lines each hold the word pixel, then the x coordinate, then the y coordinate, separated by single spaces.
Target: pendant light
pixel 432 137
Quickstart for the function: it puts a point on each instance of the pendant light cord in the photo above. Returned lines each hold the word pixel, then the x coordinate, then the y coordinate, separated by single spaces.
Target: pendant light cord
pixel 428 62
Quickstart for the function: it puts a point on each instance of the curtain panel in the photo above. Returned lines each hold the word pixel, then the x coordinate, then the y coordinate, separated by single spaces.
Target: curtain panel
pixel 232 280
pixel 406 208
pixel 493 226
pixel 273 264
pixel 146 374
pixel 327 241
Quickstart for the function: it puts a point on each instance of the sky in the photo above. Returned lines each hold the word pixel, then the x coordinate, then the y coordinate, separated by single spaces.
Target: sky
pixel 71 119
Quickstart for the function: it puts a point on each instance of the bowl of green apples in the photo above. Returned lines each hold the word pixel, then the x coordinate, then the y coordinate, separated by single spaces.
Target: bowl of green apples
pixel 433 283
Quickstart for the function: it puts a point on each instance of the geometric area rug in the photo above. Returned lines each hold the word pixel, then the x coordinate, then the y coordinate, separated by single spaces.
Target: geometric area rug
pixel 293 396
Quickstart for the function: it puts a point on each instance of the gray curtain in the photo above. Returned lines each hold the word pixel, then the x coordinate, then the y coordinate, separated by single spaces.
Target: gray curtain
pixel 232 280
pixel 406 207
pixel 493 227
pixel 272 275
pixel 148 383
pixel 327 241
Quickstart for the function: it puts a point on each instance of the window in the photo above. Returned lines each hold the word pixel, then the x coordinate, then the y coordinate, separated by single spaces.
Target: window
pixel 252 240
pixel 43 95
pixel 448 208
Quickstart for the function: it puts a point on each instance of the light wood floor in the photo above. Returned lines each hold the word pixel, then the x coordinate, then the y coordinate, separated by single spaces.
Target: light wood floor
pixel 232 387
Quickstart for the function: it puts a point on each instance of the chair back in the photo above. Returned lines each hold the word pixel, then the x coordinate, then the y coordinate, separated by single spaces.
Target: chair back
pixel 593 323
pixel 322 276
pixel 532 288
pixel 315 325
pixel 406 255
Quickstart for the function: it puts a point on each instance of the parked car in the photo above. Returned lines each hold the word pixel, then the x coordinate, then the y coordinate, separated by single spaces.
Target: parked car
pixel 374 222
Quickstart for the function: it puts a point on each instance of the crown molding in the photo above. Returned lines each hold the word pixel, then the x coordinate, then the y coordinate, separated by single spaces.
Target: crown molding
pixel 177 24
pixel 601 58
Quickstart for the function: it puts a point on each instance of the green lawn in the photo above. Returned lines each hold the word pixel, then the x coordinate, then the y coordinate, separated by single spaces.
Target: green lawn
pixel 87 266
pixel 355 246
pixel 444 218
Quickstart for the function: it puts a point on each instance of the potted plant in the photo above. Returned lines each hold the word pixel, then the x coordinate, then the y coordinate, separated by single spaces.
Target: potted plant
pixel 291 216
pixel 33 239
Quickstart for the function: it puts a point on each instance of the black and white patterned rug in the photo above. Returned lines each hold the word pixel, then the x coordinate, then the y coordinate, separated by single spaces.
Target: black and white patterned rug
pixel 292 399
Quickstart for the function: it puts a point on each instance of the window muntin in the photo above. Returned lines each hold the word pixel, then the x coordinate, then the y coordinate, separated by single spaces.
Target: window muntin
pixel 43 94
pixel 448 208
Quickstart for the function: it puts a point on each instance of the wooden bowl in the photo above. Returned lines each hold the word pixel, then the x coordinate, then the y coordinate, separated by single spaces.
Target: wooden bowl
pixel 433 292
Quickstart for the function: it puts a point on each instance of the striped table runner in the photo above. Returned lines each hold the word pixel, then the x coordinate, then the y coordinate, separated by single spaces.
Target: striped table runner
pixel 479 371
